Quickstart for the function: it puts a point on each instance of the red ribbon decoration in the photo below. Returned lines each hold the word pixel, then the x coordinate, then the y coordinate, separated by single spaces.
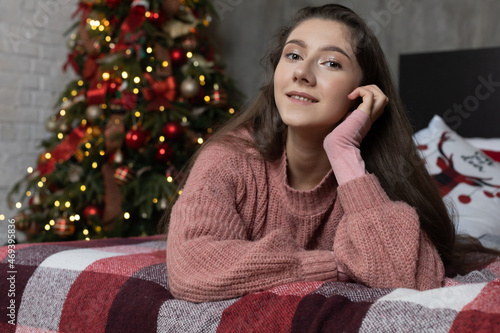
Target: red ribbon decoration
pixel 96 94
pixel 83 7
pixel 67 148
pixel 133 21
pixel 71 61
pixel 127 100
pixel 130 40
pixel 161 93
pixel 89 69
pixel 63 151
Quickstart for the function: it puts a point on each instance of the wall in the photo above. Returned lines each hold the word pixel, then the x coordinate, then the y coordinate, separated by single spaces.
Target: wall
pixel 33 50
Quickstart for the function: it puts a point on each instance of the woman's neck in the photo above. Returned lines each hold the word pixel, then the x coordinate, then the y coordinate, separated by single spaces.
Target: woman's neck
pixel 308 163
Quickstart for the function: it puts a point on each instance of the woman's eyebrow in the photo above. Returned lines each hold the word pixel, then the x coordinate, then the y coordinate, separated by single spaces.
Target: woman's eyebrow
pixel 334 48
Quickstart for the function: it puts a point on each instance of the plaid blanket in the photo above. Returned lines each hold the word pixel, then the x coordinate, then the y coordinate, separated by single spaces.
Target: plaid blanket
pixel 120 285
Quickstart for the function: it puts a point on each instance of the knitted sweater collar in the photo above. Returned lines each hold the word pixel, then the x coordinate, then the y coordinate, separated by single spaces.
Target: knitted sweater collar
pixel 308 202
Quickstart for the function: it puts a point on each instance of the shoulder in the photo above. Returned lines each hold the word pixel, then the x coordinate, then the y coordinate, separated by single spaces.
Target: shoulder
pixel 231 148
pixel 230 159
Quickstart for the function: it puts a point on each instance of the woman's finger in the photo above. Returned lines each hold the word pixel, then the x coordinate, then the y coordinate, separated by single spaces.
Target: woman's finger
pixel 368 99
pixel 374 100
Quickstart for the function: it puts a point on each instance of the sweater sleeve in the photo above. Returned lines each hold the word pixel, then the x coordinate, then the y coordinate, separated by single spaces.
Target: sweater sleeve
pixel 380 243
pixel 210 253
pixel 342 147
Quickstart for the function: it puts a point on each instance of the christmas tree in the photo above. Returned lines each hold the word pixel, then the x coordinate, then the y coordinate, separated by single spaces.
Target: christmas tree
pixel 149 90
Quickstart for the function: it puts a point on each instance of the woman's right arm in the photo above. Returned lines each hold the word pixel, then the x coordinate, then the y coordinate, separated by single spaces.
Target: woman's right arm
pixel 210 254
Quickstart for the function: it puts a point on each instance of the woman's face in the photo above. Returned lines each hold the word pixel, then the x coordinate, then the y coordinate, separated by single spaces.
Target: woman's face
pixel 316 72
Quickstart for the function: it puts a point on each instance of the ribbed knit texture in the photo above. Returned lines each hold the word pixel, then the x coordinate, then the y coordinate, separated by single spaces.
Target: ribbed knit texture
pixel 239 228
pixel 342 146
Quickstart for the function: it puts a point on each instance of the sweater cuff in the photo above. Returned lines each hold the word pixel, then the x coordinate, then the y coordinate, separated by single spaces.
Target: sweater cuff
pixel 318 266
pixel 362 193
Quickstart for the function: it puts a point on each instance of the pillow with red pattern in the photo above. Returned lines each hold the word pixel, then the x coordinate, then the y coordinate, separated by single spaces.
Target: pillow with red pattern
pixel 468 179
pixel 489 146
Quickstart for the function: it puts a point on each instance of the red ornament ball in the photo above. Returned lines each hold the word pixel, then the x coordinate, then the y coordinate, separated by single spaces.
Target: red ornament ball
pixel 92 210
pixel 172 130
pixel 164 152
pixel 178 56
pixel 135 138
pixel 64 227
pixel 123 175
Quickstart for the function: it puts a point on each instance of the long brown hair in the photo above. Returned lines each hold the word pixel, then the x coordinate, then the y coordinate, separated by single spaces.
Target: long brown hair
pixel 388 149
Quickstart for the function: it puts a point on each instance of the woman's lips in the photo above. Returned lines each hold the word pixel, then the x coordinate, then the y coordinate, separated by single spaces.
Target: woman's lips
pixel 304 98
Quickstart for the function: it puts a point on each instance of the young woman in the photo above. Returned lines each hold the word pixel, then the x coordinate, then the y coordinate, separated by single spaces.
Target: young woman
pixel 317 180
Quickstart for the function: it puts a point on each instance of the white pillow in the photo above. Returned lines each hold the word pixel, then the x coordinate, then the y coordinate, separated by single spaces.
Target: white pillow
pixel 491 144
pixel 468 179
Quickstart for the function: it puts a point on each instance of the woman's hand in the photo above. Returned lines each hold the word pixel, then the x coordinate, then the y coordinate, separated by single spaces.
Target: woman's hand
pixel 343 143
pixel 374 100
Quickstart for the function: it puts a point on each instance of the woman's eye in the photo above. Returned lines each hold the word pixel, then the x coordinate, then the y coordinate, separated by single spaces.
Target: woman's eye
pixel 293 56
pixel 333 64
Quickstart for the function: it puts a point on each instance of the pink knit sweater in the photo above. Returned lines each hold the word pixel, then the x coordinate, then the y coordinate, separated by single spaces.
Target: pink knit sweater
pixel 239 228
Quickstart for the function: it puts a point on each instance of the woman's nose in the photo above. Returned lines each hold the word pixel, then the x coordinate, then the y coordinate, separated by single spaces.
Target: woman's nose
pixel 303 73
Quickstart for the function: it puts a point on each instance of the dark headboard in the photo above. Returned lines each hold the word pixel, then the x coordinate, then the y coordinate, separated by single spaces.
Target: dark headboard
pixel 463 87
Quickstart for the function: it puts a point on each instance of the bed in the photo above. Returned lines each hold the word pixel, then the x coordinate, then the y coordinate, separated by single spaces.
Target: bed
pixel 121 285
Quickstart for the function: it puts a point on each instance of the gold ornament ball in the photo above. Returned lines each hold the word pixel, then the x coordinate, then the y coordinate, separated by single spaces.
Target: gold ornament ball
pixel 51 124
pixel 63 127
pixel 36 200
pixel 71 43
pixel 93 112
pixel 75 172
pixel 189 87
